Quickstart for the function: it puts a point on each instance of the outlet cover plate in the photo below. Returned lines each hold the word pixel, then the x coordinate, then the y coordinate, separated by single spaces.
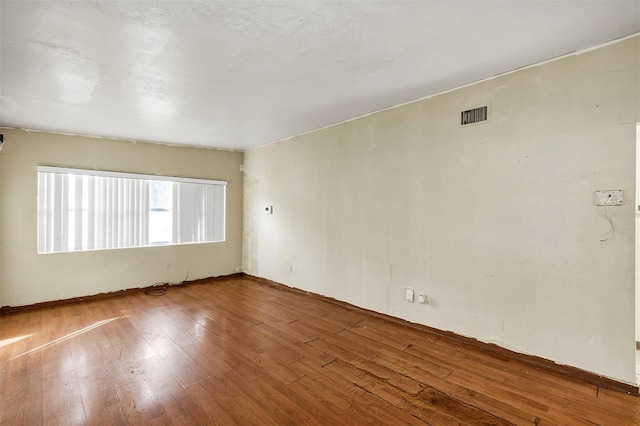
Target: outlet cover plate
pixel 408 295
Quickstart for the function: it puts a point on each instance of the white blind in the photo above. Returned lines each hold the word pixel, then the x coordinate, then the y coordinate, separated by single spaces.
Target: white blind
pixel 87 210
pixel 198 212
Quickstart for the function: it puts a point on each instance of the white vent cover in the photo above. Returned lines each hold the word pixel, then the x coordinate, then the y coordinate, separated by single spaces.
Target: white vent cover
pixel 475 115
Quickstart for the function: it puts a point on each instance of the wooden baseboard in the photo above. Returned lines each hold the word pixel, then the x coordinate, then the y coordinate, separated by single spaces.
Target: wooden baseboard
pixel 10 309
pixel 535 361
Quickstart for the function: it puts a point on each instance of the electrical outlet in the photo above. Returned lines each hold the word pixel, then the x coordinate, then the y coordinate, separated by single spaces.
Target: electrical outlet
pixel 268 209
pixel 408 295
pixel 422 298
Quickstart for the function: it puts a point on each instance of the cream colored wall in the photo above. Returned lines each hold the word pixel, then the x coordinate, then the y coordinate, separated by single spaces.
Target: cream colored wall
pixel 637 206
pixel 1 204
pixel 29 278
pixel 494 222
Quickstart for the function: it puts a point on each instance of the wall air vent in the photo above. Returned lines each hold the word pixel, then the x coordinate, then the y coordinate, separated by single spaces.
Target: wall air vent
pixel 475 115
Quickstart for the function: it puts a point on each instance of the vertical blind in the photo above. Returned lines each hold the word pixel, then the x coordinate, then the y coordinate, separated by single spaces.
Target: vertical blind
pixel 93 210
pixel 198 209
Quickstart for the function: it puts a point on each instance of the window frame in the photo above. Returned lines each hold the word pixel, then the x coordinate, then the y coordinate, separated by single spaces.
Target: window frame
pixel 69 170
pixel 127 175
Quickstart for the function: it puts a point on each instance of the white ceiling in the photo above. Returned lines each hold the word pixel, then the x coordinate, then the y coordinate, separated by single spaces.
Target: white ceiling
pixel 239 74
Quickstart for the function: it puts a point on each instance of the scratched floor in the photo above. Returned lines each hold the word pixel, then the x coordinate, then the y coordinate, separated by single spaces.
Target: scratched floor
pixel 243 352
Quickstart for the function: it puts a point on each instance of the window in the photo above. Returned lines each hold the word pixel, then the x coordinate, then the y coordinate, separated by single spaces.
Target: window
pixel 93 210
pixel 160 212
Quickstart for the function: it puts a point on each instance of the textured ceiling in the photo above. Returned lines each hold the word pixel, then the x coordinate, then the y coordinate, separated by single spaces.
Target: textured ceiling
pixel 239 74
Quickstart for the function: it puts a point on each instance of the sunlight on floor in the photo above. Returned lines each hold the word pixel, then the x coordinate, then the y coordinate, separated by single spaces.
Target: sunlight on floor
pixel 68 336
pixel 6 342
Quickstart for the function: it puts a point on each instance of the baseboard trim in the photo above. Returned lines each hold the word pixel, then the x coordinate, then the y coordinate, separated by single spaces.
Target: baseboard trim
pixel 11 309
pixel 571 372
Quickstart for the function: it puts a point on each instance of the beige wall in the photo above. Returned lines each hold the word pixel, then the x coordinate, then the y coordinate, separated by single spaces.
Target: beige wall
pixel 494 222
pixel 1 204
pixel 637 206
pixel 29 278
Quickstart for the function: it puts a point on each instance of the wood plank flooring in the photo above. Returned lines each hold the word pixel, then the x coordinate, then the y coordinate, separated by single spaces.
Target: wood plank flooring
pixel 237 351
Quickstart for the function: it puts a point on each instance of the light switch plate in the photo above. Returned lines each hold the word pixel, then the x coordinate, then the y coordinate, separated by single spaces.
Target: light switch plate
pixel 608 198
pixel 408 295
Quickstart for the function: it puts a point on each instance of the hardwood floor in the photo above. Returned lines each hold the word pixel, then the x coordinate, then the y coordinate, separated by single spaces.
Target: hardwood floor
pixel 237 351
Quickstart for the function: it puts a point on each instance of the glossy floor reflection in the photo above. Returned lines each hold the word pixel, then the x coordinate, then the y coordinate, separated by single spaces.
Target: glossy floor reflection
pixel 239 351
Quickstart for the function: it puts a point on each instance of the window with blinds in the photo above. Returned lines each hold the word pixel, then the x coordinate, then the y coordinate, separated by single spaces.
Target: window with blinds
pixel 95 210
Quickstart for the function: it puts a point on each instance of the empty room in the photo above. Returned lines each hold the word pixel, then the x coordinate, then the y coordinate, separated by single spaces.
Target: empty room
pixel 323 212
